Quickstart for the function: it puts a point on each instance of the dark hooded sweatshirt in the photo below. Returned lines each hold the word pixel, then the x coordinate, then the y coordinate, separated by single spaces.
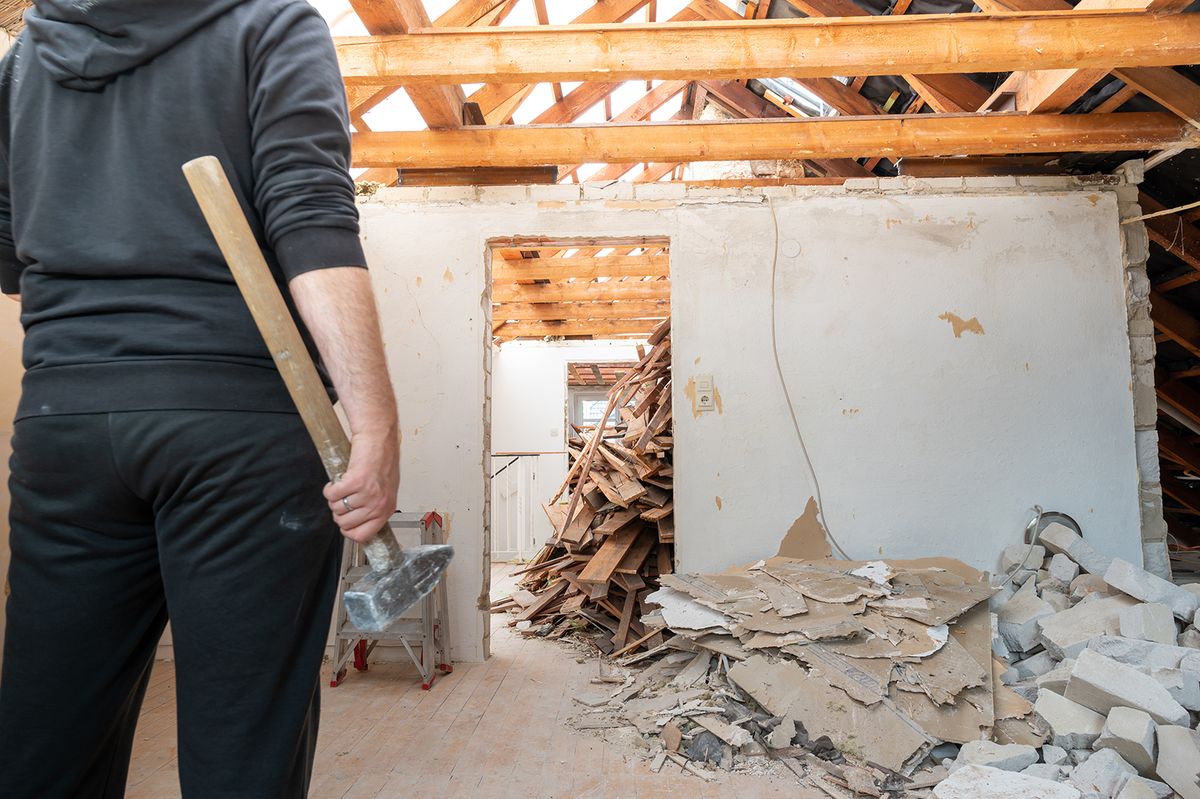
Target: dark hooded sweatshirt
pixel 126 301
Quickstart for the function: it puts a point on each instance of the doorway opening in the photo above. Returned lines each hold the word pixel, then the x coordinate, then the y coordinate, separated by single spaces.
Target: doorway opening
pixel 581 447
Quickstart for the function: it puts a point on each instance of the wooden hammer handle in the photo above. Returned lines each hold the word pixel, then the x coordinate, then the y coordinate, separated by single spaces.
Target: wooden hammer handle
pixel 229 226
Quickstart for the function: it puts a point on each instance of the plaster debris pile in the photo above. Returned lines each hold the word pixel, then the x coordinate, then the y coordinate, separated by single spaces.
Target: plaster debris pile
pixel 614 536
pixel 897 678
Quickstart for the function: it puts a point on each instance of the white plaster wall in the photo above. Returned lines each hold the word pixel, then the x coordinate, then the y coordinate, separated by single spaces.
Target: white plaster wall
pixel 924 443
pixel 529 395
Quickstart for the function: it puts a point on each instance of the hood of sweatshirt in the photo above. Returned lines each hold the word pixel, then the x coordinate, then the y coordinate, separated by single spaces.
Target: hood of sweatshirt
pixel 85 44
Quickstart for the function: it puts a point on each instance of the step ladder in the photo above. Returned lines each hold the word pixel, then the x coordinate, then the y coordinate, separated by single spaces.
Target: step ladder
pixel 426 627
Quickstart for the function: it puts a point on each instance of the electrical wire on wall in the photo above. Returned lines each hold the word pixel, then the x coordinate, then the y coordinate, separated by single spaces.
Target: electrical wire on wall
pixel 787 395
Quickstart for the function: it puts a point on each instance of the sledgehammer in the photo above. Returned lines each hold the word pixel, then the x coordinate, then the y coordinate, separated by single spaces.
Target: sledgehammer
pixel 399 576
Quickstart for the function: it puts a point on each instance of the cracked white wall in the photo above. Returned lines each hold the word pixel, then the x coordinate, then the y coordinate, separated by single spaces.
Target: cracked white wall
pixel 956 351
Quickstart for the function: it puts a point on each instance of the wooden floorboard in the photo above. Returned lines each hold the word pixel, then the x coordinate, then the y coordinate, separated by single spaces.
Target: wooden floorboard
pixel 489 730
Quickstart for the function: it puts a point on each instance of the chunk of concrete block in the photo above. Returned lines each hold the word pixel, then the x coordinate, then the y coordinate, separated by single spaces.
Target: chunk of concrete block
pixel 1080 756
pixel 1062 540
pixel 1035 665
pixel 1190 638
pixel 1086 584
pixel 1057 599
pixel 1056 679
pixel 1136 790
pixel 1072 726
pixel 1045 771
pixel 1183 686
pixel 1159 790
pixel 1149 621
pixel 1066 634
pixel 1018 619
pixel 1179 760
pixel 981 782
pixel 1139 653
pixel 1021 556
pixel 1063 570
pixel 1101 684
pixel 1105 773
pixel 1130 733
pixel 1141 584
pixel 1054 755
pixel 1009 757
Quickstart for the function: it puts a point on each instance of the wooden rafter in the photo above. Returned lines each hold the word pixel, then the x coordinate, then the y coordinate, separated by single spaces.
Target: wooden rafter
pixel 1054 90
pixel 441 106
pixel 817 47
pixel 844 137
pixel 1177 237
pixel 947 94
pixel 1176 323
pixel 499 99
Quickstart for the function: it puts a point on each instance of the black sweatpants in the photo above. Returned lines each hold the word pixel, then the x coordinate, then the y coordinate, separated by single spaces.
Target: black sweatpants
pixel 212 519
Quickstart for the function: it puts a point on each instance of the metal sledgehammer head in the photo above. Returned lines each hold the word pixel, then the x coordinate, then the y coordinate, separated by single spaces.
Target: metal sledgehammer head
pixel 379 598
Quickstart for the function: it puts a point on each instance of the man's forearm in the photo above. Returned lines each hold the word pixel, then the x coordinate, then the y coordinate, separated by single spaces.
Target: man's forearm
pixel 338 307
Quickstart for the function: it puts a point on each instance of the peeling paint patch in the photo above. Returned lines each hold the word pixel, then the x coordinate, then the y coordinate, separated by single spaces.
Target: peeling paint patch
pixel 1093 198
pixel 697 361
pixel 805 539
pixel 448 276
pixel 551 204
pixel 717 399
pixel 690 391
pixel 420 280
pixel 718 499
pixel 851 411
pixel 960 325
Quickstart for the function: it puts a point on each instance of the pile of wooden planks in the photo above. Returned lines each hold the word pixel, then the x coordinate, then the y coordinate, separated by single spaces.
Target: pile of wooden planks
pixel 615 532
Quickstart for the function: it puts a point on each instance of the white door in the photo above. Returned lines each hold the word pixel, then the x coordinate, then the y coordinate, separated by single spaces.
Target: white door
pixel 513 507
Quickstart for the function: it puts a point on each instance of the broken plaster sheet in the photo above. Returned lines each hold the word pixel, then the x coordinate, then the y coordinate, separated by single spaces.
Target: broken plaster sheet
pixel 865 681
pixel 893 638
pixel 876 571
pixel 877 733
pixel 681 612
pixel 824 582
pixel 968 718
pixel 942 676
pixel 932 597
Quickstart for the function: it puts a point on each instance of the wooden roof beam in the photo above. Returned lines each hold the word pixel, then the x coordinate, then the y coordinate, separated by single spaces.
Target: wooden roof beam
pixel 838 137
pixel 1176 323
pixel 582 292
pixel 550 311
pixel 581 268
pixel 927 43
pixel 596 328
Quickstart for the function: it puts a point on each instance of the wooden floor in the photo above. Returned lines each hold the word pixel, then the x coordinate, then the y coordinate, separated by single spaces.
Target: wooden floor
pixel 494 729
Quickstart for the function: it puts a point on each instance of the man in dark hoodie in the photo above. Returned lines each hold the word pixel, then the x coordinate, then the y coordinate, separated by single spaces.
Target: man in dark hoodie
pixel 159 468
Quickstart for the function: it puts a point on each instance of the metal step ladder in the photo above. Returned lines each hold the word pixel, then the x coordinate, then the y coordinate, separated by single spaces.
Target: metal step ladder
pixel 426 627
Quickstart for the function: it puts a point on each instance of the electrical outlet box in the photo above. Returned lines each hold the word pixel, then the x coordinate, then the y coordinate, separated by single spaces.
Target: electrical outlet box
pixel 705 400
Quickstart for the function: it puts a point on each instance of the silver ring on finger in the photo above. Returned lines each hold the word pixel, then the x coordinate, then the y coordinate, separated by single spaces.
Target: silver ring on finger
pixel 346 504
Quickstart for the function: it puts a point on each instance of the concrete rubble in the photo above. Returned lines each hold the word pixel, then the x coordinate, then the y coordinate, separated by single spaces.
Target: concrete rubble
pixel 922 678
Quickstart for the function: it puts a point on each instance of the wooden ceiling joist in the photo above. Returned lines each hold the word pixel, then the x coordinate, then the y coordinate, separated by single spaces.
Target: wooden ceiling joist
pixel 817 47
pixel 1176 323
pixel 551 311
pixel 582 292
pixel 581 268
pixel 841 137
pixel 596 328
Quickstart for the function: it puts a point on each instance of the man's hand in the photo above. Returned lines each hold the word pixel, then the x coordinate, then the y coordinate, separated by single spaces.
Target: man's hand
pixel 14 297
pixel 365 497
pixel 338 307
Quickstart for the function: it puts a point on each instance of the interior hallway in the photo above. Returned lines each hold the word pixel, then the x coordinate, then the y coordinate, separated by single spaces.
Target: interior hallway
pixel 490 730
